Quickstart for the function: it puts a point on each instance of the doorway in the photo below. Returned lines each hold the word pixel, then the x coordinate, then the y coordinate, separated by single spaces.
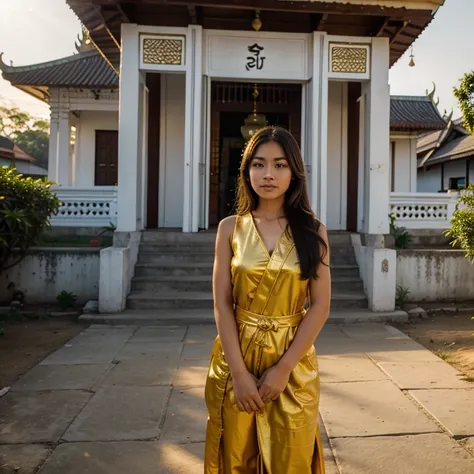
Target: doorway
pixel 231 103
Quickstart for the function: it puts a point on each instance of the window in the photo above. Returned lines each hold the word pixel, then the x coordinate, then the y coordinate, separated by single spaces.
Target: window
pixel 457 183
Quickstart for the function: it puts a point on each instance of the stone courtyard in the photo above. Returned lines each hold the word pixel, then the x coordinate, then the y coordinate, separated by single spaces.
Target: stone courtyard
pixel 130 399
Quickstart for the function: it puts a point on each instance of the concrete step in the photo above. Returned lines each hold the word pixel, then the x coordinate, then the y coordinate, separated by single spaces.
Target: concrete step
pixel 172 283
pixel 206 317
pixel 169 268
pixel 206 249
pixel 161 236
pixel 194 283
pixel 204 300
pixel 345 270
pixel 158 258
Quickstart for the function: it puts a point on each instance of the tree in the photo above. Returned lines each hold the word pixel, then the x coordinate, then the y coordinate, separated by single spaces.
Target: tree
pixel 30 133
pixel 462 223
pixel 26 205
pixel 464 93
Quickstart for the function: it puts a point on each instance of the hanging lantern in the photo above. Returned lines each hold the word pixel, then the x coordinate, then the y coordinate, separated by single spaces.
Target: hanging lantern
pixel 412 58
pixel 256 22
pixel 254 121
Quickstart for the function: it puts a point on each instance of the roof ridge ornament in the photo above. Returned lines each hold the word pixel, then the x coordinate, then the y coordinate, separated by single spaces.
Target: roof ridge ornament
pixel 431 95
pixel 85 43
pixel 3 66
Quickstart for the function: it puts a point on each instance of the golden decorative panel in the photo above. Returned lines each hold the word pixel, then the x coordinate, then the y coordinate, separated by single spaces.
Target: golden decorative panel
pixel 163 51
pixel 349 59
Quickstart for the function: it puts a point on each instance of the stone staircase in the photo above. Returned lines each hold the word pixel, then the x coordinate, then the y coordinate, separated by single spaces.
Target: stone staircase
pixel 174 271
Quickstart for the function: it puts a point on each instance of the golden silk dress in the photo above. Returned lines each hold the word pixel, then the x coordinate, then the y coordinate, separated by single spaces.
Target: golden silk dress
pixel 269 300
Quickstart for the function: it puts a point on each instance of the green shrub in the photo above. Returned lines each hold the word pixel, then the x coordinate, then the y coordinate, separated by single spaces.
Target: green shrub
pixel 26 205
pixel 462 223
pixel 401 235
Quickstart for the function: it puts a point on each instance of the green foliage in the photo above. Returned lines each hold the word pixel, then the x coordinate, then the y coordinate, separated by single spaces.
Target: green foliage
pixel 66 300
pixel 464 93
pixel 401 235
pixel 462 223
pixel 26 206
pixel 35 143
pixel 30 133
pixel 401 296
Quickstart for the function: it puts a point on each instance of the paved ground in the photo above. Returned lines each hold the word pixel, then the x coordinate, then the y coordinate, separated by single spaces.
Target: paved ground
pixel 130 399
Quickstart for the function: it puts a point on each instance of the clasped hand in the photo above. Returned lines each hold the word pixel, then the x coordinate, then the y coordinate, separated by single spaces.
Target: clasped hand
pixel 251 393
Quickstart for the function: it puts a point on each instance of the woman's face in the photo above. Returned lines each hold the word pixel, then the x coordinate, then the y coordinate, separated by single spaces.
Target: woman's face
pixel 270 172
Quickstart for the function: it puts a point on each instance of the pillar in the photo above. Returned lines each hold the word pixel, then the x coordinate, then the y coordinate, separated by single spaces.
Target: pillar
pixel 129 110
pixel 193 133
pixel 53 146
pixel 377 143
pixel 64 149
pixel 318 132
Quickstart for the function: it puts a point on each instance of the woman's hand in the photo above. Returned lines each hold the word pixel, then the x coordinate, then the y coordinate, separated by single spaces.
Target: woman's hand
pixel 246 392
pixel 273 382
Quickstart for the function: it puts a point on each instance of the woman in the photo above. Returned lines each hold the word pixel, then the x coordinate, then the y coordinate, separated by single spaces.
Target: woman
pixel 263 395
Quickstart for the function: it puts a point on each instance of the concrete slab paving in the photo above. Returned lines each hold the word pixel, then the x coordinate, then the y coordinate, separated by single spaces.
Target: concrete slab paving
pixel 454 409
pixel 370 409
pixel 372 331
pixel 62 377
pixel 468 443
pixel 150 350
pixel 22 458
pixel 186 416
pixel 137 457
pixel 86 353
pixel 192 373
pixel 396 351
pixel 201 351
pixel 90 335
pixel 349 369
pixel 121 413
pixel 424 453
pixel 201 334
pixel 425 375
pixel 39 417
pixel 141 373
pixel 159 334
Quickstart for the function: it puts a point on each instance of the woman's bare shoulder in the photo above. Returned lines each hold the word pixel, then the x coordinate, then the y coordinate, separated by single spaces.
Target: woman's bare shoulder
pixel 226 226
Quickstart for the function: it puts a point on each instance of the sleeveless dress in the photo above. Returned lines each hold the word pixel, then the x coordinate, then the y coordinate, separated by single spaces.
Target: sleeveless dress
pixel 269 300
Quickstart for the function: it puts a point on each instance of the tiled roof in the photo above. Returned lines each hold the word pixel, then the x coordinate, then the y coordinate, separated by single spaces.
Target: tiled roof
pixel 8 149
pixel 88 70
pixel 414 113
pixel 427 141
pixel 456 149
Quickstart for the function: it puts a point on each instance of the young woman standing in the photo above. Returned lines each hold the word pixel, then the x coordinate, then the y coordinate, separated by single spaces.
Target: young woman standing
pixel 271 259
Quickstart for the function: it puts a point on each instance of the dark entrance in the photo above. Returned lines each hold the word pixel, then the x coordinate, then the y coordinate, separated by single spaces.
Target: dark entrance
pixel 231 104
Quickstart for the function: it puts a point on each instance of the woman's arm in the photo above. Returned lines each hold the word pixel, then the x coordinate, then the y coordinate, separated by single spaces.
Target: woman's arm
pixel 276 378
pixel 245 387
pixel 317 315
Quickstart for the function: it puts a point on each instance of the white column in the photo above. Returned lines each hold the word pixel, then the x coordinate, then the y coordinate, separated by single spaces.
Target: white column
pixel 64 149
pixel 53 145
pixel 129 109
pixel 377 185
pixel 318 132
pixel 192 129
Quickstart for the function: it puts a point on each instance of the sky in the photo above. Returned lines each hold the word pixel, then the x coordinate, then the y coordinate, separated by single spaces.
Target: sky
pixel 34 31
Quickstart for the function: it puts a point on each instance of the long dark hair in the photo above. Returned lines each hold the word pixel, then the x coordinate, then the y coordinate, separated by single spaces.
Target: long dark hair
pixel 301 219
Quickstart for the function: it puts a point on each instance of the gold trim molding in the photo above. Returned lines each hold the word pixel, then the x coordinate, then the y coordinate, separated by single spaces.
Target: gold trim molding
pixel 163 50
pixel 349 59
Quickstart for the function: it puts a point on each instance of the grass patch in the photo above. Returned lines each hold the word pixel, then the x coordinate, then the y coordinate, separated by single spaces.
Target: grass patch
pixel 468 379
pixel 442 355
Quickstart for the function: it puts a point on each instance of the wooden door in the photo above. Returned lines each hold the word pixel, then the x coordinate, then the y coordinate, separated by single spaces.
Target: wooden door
pixel 283 100
pixel 106 157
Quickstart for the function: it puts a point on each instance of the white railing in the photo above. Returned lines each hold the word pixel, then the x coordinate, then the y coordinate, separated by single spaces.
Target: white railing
pixel 92 207
pixel 423 210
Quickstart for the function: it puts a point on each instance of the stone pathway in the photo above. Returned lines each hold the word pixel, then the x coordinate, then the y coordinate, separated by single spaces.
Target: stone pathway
pixel 130 399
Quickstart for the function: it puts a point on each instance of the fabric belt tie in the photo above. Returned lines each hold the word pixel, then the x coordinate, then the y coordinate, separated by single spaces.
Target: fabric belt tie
pixel 265 324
